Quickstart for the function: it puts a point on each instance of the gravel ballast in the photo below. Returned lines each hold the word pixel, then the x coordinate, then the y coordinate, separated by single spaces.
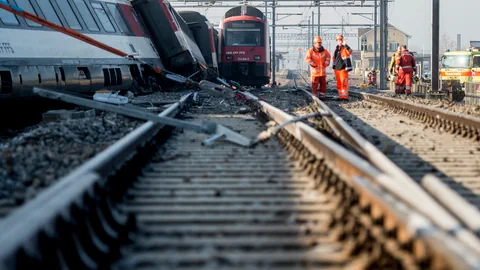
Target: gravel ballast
pixel 35 157
pixel 33 160
pixel 40 155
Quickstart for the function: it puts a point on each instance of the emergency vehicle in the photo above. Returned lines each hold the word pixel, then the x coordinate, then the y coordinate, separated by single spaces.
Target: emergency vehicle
pixel 460 67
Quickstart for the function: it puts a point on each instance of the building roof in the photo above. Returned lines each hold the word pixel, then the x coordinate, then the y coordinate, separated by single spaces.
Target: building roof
pixel 365 31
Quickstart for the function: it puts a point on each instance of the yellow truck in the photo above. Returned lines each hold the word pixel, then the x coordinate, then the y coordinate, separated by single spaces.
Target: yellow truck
pixel 456 69
pixel 460 67
pixel 476 66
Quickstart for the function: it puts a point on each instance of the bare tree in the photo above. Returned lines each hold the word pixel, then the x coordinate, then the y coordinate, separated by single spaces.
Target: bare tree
pixel 447 43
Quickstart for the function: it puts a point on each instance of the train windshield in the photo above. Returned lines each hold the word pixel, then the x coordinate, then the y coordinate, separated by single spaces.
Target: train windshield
pixel 456 61
pixel 244 33
pixel 476 62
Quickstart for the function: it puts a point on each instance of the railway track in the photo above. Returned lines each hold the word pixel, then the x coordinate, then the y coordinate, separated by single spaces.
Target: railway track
pixel 158 199
pixel 436 148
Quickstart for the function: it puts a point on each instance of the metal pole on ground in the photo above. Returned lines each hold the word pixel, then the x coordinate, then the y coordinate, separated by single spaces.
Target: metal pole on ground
pixel 435 44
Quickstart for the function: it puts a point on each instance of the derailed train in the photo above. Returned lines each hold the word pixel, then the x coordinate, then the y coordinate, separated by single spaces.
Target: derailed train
pixel 33 55
pixel 150 30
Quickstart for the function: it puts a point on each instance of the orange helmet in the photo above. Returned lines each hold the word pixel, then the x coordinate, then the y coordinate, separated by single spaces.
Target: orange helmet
pixel 339 37
pixel 317 39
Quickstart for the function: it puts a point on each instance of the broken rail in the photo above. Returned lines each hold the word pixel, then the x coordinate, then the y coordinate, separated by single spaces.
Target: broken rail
pixel 210 128
pixel 414 194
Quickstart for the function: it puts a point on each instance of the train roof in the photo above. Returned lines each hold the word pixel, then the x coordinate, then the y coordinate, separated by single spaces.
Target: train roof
pixel 244 10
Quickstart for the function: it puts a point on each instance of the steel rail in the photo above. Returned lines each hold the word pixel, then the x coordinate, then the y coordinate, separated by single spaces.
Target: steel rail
pixel 40 216
pixel 469 215
pixel 459 123
pixel 421 200
pixel 353 169
pixel 32 219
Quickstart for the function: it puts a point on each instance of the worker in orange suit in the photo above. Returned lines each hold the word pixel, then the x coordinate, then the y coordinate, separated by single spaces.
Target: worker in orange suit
pixel 319 59
pixel 406 66
pixel 342 64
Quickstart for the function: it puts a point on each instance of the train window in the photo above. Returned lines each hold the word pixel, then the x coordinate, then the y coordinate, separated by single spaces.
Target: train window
pixel 39 78
pixel 476 62
pixel 244 34
pixel 86 15
pixel 106 77
pixel 6 84
pixel 26 5
pixel 119 76
pixel 62 73
pixel 118 18
pixel 137 20
pixel 84 73
pixel 113 76
pixel 48 11
pixel 8 18
pixel 102 15
pixel 69 15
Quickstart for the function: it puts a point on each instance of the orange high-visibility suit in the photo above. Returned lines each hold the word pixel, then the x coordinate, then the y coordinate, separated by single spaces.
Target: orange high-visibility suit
pixel 342 64
pixel 406 65
pixel 319 60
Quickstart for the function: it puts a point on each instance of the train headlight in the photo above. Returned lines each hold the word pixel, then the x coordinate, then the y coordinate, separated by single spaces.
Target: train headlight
pixel 229 57
pixel 257 57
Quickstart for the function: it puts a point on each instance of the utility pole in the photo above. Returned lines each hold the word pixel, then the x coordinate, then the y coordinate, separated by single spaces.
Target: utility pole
pixel 383 41
pixel 386 35
pixel 318 30
pixel 266 11
pixel 308 42
pixel 375 33
pixel 273 45
pixel 343 30
pixel 313 28
pixel 459 42
pixel 435 44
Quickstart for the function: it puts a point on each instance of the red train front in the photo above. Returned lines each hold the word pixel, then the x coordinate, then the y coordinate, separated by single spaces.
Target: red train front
pixel 244 46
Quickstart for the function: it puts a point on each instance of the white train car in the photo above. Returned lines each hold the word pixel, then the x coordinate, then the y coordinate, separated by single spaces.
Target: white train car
pixel 33 55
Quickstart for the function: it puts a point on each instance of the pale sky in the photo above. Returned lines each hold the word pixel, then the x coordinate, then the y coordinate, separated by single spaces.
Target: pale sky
pixel 456 17
pixel 410 16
